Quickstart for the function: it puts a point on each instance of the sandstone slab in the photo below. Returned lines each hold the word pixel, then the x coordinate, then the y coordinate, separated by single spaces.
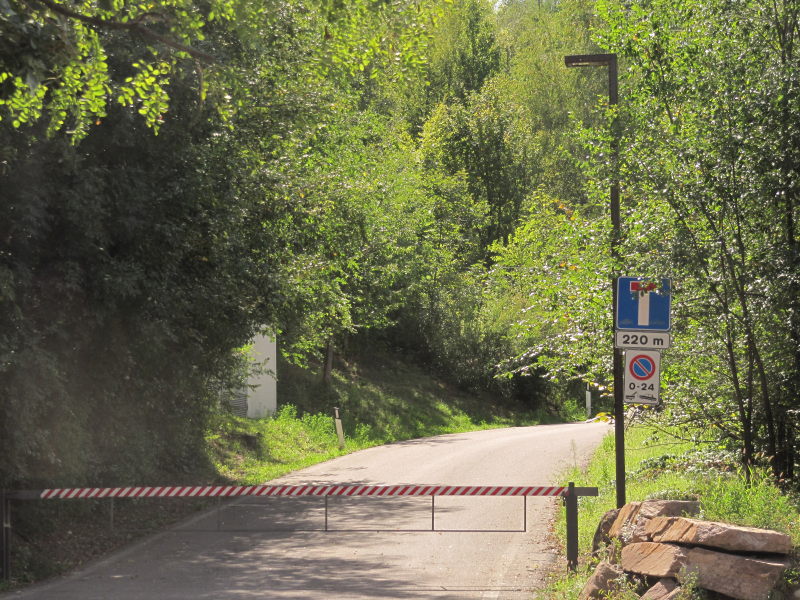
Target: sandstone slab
pixel 654 560
pixel 630 523
pixel 732 538
pixel 664 589
pixel 740 577
pixel 603 581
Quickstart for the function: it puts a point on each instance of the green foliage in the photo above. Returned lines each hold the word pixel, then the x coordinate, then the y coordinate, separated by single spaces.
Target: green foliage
pixel 558 284
pixel 55 53
pixel 381 231
pixel 380 398
pixel 286 190
pixel 664 464
pixel 708 149
pixel 132 266
pixel 464 52
pixel 481 139
pixel 671 464
pixel 535 37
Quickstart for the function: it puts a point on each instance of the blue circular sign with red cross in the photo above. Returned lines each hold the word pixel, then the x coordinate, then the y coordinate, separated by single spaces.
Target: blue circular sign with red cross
pixel 642 367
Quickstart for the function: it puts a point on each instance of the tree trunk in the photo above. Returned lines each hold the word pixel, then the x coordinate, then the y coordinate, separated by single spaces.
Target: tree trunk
pixel 327 368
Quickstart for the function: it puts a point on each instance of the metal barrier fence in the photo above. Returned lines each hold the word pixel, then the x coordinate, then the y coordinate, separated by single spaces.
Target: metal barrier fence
pixel 569 494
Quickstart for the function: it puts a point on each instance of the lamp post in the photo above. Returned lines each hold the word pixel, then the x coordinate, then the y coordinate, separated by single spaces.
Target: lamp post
pixel 610 61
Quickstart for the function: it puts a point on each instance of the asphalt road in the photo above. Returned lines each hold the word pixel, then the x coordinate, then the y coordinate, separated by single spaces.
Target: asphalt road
pixel 375 547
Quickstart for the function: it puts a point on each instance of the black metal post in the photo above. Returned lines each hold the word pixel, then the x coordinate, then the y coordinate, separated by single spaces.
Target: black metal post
pixel 571 501
pixel 5 536
pixel 610 61
pixel 525 514
pixel 616 238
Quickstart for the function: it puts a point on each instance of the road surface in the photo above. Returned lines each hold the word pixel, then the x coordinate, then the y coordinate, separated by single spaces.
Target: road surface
pixel 375 547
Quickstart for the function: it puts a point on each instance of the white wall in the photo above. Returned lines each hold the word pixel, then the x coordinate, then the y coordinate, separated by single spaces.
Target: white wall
pixel 263 400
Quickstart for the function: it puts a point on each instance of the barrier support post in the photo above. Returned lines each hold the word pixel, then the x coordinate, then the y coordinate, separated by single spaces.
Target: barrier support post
pixel 571 501
pixel 525 514
pixel 5 536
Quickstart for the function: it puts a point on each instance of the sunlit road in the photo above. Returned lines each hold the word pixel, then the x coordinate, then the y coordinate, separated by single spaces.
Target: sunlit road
pixel 275 547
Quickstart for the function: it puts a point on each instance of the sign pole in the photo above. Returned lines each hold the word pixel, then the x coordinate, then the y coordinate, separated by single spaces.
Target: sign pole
pixel 571 502
pixel 616 239
pixel 619 427
pixel 619 411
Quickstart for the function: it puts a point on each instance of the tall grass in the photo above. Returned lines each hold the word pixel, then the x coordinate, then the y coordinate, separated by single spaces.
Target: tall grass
pixel 252 451
pixel 380 400
pixel 659 466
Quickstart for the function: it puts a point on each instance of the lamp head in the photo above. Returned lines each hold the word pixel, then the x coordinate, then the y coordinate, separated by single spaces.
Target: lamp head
pixel 590 60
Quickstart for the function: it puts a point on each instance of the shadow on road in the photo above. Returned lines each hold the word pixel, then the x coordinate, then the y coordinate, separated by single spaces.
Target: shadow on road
pixel 360 513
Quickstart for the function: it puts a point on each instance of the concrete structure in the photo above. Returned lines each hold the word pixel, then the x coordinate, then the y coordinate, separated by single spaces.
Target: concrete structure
pixel 263 399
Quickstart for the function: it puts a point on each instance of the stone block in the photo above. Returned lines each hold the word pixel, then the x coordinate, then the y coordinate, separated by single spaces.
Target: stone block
pixel 740 577
pixel 603 581
pixel 654 560
pixel 601 534
pixel 634 516
pixel 710 534
pixel 623 523
pixel 665 589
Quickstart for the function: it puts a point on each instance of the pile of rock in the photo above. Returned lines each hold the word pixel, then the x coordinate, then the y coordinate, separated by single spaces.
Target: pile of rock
pixel 660 542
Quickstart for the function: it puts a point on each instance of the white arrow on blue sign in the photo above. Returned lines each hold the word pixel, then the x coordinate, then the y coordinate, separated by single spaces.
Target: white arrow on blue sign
pixel 643 305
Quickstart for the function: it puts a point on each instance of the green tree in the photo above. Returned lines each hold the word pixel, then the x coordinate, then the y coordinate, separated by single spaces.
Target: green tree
pixel 483 140
pixel 535 37
pixel 552 276
pixel 132 266
pixel 709 156
pixel 56 54
pixel 383 230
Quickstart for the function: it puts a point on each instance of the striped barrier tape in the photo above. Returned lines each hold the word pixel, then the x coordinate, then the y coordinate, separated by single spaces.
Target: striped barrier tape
pixel 299 490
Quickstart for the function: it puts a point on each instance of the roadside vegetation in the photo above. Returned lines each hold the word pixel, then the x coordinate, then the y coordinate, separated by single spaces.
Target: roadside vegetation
pixel 673 464
pixel 364 178
pixel 380 400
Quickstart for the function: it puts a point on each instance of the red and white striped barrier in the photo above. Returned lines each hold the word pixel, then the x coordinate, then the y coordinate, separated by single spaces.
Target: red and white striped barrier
pixel 230 491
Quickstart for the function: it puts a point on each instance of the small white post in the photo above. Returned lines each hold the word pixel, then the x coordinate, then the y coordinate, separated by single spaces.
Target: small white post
pixel 588 402
pixel 339 430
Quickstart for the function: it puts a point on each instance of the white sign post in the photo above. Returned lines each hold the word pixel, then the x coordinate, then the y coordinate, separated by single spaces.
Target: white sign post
pixel 642 376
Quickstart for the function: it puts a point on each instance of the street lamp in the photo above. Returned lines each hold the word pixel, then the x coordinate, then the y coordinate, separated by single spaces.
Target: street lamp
pixel 610 61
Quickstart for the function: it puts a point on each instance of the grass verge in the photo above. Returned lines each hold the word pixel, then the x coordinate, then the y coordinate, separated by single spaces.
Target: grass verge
pixel 380 401
pixel 659 466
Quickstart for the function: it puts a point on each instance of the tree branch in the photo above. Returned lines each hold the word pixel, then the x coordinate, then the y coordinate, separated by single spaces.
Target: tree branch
pixel 133 26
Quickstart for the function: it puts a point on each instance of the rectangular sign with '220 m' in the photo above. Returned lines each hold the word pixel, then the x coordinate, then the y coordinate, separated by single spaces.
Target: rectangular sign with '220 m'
pixel 646 340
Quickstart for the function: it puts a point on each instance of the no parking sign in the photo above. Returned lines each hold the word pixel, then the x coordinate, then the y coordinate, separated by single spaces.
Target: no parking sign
pixel 642 376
